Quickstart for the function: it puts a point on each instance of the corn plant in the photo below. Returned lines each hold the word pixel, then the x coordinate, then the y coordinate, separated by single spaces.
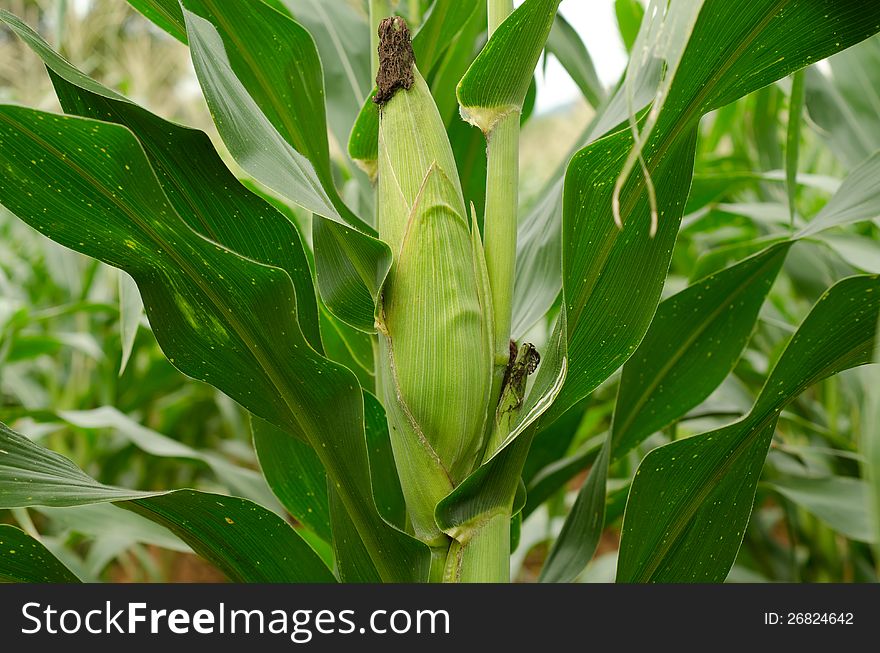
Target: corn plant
pixel 417 346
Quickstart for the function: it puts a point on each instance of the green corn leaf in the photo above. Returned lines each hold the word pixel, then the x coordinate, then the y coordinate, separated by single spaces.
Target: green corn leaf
pixel 386 483
pixel 598 259
pixel 693 343
pixel 844 104
pixel 733 50
pixel 182 276
pixel 629 17
pixel 33 476
pixel 273 122
pixel 870 445
pixel 691 500
pixel 245 541
pixel 29 347
pixel 765 127
pixel 353 562
pixel 582 529
pixel 793 139
pixel 131 309
pixel 166 14
pixel 443 22
pixel 348 346
pixel 24 559
pixel 861 252
pixel 538 277
pixel 343 41
pixel 839 501
pixel 284 78
pixel 448 71
pixel 241 481
pixel 295 474
pixel 566 45
pixel 446 20
pixel 114 529
pixel 219 317
pixel 196 181
pixel 112 532
pixel 717 259
pixel 498 80
pixel 857 199
pixel 552 444
pixel 557 474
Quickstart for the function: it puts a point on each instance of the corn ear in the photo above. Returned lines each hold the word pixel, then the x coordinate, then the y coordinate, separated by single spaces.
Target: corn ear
pixel 412 138
pixel 435 316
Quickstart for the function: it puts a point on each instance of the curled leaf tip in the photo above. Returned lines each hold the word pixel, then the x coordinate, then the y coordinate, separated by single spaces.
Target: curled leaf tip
pixel 396 59
pixel 615 208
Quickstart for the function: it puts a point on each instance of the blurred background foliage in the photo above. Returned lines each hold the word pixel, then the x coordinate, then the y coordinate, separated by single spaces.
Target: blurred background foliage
pixel 65 321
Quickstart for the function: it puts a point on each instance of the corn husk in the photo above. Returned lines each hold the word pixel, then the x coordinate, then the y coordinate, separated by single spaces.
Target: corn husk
pixel 435 315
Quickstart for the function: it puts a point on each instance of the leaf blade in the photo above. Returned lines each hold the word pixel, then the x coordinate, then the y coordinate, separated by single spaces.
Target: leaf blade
pixel 282 141
pixel 24 559
pixel 687 523
pixel 694 341
pixel 247 542
pixel 207 305
pixel 731 51
pixel 498 80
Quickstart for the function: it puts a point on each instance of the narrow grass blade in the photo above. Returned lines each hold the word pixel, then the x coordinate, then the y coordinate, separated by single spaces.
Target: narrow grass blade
pixel 566 45
pixel 839 501
pixel 793 139
pixel 131 309
pixel 582 529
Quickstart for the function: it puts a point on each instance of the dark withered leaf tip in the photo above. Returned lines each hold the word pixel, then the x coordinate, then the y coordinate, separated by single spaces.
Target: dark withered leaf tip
pixel 396 59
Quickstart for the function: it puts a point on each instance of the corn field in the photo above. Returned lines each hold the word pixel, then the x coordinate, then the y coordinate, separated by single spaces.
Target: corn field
pixel 313 291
